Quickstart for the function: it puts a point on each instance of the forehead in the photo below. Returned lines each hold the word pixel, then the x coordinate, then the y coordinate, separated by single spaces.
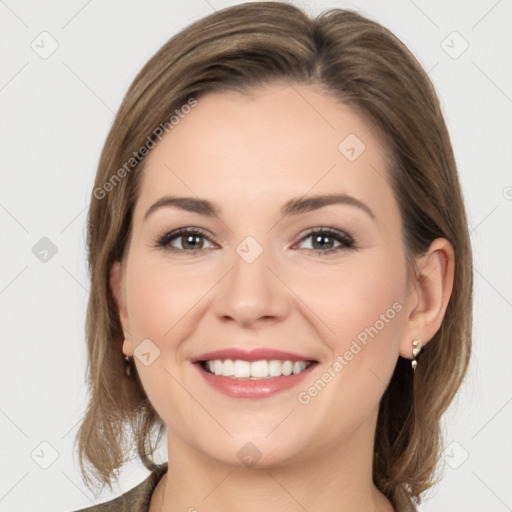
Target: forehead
pixel 265 146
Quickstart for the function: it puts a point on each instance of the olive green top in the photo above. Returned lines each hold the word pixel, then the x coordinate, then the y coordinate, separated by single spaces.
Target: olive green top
pixel 134 500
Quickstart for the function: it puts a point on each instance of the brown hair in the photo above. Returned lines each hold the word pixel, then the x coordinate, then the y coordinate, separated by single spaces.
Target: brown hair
pixel 366 67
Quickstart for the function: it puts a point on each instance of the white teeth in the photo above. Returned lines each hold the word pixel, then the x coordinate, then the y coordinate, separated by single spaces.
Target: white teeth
pixel 217 367
pixel 240 369
pixel 228 368
pixel 274 368
pixel 297 367
pixel 287 368
pixel 259 369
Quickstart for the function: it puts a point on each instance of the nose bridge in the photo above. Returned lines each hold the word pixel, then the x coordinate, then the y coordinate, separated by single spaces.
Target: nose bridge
pixel 251 291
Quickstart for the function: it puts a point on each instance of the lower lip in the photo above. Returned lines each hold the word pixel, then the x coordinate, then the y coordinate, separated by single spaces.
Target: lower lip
pixel 262 388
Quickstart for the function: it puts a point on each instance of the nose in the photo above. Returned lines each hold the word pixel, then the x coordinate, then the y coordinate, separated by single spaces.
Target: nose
pixel 252 293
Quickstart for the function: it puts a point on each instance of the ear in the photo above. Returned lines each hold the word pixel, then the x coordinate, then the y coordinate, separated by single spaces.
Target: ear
pixel 428 299
pixel 118 291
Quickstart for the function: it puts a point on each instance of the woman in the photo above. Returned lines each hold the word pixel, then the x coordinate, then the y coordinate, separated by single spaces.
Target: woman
pixel 280 271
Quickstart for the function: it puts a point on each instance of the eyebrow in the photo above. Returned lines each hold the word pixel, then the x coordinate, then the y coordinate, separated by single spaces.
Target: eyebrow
pixel 294 206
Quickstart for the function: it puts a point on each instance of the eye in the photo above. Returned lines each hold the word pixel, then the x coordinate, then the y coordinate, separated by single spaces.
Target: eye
pixel 324 240
pixel 191 240
pixel 184 240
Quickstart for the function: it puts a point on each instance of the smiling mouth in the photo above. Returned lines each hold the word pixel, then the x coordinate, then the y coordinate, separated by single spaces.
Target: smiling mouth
pixel 239 369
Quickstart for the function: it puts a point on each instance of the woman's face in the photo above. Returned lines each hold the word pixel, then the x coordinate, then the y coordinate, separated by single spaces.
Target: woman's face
pixel 273 275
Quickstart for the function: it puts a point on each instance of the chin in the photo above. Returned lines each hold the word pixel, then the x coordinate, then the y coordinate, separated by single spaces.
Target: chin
pixel 256 451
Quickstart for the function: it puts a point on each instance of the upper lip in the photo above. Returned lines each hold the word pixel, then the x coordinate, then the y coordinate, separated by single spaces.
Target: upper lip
pixel 256 354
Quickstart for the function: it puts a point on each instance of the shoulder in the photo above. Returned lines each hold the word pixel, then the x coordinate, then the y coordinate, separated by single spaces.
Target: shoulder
pixel 136 499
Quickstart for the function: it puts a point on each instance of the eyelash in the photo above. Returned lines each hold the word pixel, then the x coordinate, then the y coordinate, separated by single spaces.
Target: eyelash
pixel 346 240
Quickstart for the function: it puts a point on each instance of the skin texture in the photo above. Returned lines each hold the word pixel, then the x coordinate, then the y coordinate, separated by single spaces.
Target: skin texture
pixel 249 154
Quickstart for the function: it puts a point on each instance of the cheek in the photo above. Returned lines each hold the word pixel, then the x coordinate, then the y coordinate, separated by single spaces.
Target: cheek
pixel 363 310
pixel 159 295
pixel 160 298
pixel 362 306
pixel 353 299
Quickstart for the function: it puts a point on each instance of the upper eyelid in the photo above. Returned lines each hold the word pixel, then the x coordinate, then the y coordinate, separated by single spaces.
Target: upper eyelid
pixel 332 232
pixel 179 232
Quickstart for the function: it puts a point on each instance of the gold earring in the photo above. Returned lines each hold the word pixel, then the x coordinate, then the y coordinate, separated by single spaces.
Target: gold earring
pixel 127 366
pixel 415 351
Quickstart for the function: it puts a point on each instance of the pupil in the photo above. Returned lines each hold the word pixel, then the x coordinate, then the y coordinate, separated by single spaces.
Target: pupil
pixel 318 239
pixel 188 240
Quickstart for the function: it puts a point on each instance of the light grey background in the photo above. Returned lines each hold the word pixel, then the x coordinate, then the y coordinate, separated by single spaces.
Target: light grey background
pixel 56 112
